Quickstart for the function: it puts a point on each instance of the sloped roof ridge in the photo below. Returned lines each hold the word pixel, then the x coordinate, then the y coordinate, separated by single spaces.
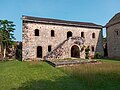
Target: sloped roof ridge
pixel 115 19
pixel 51 20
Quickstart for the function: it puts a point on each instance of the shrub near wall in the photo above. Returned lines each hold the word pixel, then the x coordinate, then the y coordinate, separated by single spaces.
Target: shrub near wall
pixel 98 55
pixel 87 52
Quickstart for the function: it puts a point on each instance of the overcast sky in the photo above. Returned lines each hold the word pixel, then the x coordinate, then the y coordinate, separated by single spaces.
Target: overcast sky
pixel 95 11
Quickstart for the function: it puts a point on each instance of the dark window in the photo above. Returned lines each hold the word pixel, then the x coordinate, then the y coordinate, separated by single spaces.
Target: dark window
pixel 93 35
pixel 117 32
pixel 39 52
pixel 92 48
pixel 49 48
pixel 36 32
pixel 82 34
pixel 52 33
pixel 69 34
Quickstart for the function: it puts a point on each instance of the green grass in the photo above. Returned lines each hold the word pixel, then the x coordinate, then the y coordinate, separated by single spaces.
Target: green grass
pixel 16 75
pixel 105 76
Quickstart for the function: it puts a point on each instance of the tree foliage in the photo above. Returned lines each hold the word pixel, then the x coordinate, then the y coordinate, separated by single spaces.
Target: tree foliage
pixel 6 33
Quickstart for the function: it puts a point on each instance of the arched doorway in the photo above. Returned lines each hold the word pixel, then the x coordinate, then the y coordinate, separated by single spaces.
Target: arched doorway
pixel 69 34
pixel 39 52
pixel 75 52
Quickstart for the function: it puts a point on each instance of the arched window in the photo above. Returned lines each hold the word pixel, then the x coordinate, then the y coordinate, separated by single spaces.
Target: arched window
pixel 93 35
pixel 39 52
pixel 82 34
pixel 52 33
pixel 49 48
pixel 69 34
pixel 36 32
pixel 92 48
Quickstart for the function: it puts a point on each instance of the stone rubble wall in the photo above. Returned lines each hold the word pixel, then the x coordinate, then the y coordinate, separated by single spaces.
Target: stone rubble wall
pixel 31 42
pixel 63 50
pixel 113 41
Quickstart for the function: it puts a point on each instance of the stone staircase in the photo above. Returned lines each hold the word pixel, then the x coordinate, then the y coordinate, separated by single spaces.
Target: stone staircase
pixel 63 63
pixel 64 48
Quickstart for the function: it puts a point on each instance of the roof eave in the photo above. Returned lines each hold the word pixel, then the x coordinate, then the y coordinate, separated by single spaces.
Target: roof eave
pixel 108 25
pixel 78 25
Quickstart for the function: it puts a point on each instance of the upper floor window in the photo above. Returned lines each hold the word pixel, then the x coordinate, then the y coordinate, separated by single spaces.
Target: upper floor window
pixel 82 34
pixel 117 32
pixel 49 48
pixel 36 32
pixel 69 34
pixel 52 33
pixel 93 35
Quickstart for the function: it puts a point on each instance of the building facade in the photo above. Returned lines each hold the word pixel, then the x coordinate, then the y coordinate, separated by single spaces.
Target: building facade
pixel 45 38
pixel 113 37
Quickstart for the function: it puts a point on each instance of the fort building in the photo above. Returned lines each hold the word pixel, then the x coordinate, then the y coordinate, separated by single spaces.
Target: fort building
pixel 113 37
pixel 45 38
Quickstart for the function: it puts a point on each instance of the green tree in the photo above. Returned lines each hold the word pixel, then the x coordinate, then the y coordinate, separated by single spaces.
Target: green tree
pixel 104 40
pixel 6 34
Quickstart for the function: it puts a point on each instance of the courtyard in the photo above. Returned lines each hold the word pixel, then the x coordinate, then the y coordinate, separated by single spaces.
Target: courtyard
pixel 17 75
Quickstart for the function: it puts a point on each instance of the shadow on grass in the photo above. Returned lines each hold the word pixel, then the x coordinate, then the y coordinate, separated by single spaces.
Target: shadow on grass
pixel 104 76
pixel 110 59
pixel 63 83
pixel 75 82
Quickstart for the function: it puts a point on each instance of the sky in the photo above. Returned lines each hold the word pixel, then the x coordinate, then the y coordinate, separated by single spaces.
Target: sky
pixel 95 11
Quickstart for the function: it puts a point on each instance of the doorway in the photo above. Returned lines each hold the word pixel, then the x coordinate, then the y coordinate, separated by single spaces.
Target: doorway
pixel 75 52
pixel 39 52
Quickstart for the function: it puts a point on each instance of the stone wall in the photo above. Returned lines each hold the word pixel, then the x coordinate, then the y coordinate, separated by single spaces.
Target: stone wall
pixel 63 50
pixel 113 41
pixel 31 42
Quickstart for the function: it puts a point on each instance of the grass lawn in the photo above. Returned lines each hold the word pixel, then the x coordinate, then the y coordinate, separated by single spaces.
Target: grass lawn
pixel 16 75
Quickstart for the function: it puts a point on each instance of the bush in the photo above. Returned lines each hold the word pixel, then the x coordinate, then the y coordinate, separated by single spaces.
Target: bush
pixel 98 55
pixel 87 52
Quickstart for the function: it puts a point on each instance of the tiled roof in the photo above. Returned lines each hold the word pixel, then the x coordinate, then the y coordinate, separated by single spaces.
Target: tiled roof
pixel 60 22
pixel 114 20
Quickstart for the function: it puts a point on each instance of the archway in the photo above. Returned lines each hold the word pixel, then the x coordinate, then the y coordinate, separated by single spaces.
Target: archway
pixel 39 52
pixel 75 52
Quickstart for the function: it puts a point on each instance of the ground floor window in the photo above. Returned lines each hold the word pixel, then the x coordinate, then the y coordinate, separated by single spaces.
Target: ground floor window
pixel 49 48
pixel 92 48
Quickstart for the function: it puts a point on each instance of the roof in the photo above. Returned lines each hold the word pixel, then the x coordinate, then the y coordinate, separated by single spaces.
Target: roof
pixel 59 22
pixel 114 20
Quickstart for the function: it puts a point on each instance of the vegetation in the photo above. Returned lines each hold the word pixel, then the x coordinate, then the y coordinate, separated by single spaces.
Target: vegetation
pixel 6 34
pixel 105 76
pixel 104 40
pixel 87 50
pixel 16 75
pixel 98 55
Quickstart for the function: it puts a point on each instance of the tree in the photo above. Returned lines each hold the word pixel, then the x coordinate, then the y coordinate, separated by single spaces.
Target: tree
pixel 6 34
pixel 104 40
